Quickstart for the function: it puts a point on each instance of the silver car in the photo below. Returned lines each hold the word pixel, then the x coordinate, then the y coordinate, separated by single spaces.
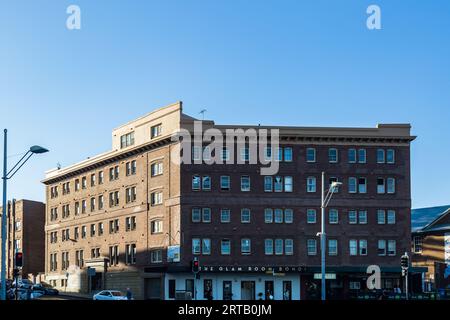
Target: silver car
pixel 109 295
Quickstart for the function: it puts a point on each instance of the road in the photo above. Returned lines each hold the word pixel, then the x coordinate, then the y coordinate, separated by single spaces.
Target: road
pixel 61 297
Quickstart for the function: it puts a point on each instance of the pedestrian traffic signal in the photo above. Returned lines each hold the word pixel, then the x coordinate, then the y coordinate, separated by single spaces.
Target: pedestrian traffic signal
pixel 195 265
pixel 16 272
pixel 19 259
pixel 404 272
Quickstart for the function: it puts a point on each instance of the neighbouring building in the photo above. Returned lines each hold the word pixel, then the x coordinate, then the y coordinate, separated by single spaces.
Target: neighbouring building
pixel 431 245
pixel 25 233
pixel 133 217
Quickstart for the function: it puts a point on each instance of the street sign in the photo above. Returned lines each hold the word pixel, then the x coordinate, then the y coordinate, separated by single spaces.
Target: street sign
pixel 328 276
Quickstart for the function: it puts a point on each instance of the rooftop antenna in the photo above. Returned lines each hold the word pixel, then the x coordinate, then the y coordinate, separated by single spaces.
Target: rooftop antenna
pixel 203 113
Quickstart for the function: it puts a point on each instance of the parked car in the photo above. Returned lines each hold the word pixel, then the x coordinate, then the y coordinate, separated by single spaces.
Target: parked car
pixel 45 289
pixel 109 295
pixel 23 283
pixel 22 294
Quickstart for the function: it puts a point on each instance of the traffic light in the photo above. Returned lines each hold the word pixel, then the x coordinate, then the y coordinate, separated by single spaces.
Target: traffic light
pixel 195 265
pixel 19 259
pixel 16 272
pixel 404 261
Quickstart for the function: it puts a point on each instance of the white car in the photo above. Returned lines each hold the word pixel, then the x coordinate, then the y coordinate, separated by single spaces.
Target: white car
pixel 109 295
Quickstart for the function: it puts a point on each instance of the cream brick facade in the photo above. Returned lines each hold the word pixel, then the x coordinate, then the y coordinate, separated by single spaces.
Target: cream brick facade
pixel 145 151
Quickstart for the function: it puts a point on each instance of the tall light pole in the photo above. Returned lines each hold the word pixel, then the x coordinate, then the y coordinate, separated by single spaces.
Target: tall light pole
pixel 8 175
pixel 323 237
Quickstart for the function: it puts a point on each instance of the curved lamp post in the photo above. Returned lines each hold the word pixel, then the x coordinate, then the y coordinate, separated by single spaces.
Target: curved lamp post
pixel 323 237
pixel 6 176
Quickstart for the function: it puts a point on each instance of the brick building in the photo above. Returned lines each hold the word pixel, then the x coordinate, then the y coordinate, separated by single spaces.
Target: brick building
pixel 133 217
pixel 25 233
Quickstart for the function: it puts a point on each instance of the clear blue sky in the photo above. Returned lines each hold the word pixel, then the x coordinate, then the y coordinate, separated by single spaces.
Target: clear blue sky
pixel 272 62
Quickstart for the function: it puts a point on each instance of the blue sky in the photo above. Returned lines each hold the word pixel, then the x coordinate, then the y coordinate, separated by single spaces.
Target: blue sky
pixel 284 62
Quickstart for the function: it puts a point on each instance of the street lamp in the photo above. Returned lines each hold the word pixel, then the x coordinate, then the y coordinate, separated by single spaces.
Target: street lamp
pixel 6 176
pixel 323 237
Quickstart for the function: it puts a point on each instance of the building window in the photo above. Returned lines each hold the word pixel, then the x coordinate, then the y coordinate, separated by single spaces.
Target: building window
pixel 245 154
pixel 156 256
pixel 225 182
pixel 268 215
pixel 245 246
pixel 77 184
pixel 362 156
pixel 332 155
pixel 288 154
pixel 93 230
pixel 156 169
pixel 100 202
pixel 196 153
pixel 288 247
pixel 362 217
pixel 83 183
pixel 391 216
pixel 288 216
pixel 311 216
pixel 156 198
pixel 126 140
pixel 363 247
pixel 225 154
pixel 392 247
pixel 354 285
pixel 130 253
pixel 381 247
pixel 206 214
pixel 352 217
pixel 83 206
pixel 206 246
pixel 381 216
pixel 130 223
pixel 417 244
pixel 310 155
pixel 245 183
pixel 332 247
pixel 100 228
pixel 279 246
pixel 278 215
pixel 268 181
pixel 114 199
pixel 362 185
pixel 196 246
pixel 79 259
pixel 380 186
pixel 196 182
pixel 113 255
pixel 353 245
pixel 206 183
pixel 380 156
pixel 352 185
pixel 114 173
pixel 390 185
pixel 114 226
pixel 311 184
pixel 311 247
pixel 333 216
pixel 130 194
pixel 351 155
pixel 156 226
pixel 83 232
pixel 288 184
pixel 130 168
pixel 207 153
pixel 93 177
pixel 390 156
pixel 92 204
pixel 100 177
pixel 268 247
pixel 155 131
pixel 278 184
pixel 225 247
pixel 196 215
pixel 225 215
pixel 268 153
pixel 245 216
